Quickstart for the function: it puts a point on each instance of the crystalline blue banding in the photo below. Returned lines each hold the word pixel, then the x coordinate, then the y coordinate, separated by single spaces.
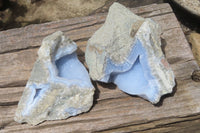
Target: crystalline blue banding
pixel 70 68
pixel 38 91
pixel 134 76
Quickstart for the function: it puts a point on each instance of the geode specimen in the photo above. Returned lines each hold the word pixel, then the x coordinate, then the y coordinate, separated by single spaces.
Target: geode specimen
pixel 126 50
pixel 59 85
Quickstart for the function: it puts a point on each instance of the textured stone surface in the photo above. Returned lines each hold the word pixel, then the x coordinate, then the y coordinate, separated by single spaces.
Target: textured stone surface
pixel 192 6
pixel 59 85
pixel 127 50
pixel 194 39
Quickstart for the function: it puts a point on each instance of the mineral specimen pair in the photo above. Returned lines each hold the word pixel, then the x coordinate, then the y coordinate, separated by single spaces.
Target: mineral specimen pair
pixel 126 50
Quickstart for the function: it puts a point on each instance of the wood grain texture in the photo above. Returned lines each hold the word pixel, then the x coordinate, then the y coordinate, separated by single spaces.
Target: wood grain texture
pixel 113 110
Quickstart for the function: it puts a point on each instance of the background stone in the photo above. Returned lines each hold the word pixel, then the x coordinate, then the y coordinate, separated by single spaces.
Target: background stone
pixel 194 39
pixel 26 12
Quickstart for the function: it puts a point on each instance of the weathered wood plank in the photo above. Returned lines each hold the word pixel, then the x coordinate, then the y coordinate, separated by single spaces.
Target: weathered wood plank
pixel 113 110
pixel 15 67
pixel 10 96
pixel 177 125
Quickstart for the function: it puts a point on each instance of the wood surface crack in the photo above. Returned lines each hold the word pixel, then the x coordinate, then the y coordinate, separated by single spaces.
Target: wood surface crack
pixel 64 26
pixel 169 30
pixel 20 49
pixel 8 103
pixel 160 14
pixel 196 117
pixel 85 26
pixel 81 39
pixel 77 28
pixel 166 125
pixel 14 84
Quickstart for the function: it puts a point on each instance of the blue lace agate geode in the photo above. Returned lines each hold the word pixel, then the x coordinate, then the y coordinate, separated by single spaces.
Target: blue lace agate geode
pixel 126 50
pixel 59 85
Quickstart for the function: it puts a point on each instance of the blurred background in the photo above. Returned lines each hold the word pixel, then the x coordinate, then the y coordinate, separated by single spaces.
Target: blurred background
pixel 20 13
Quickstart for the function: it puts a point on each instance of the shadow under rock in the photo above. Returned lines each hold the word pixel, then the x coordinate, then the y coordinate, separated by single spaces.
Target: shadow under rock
pixel 163 45
pixel 110 86
pixel 96 94
pixel 160 103
pixel 81 56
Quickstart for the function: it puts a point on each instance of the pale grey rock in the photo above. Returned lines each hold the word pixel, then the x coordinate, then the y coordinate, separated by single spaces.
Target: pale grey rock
pixel 59 85
pixel 193 6
pixel 126 50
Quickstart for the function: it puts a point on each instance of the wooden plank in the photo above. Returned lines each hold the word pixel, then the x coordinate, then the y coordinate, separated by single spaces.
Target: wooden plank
pixel 10 96
pixel 113 110
pixel 177 125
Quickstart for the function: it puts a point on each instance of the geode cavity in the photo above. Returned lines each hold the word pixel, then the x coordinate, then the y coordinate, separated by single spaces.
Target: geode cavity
pixel 59 85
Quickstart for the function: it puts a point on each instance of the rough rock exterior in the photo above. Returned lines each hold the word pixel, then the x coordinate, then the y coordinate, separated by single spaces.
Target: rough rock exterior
pixel 126 50
pixel 59 85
